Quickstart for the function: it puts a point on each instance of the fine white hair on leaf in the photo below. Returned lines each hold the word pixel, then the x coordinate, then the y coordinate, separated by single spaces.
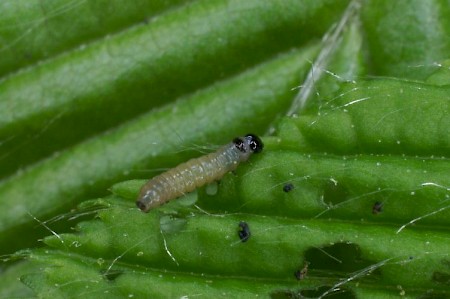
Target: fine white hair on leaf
pixel 356 275
pixel 435 185
pixel 421 217
pixel 166 248
pixel 111 265
pixel 329 45
pixel 47 228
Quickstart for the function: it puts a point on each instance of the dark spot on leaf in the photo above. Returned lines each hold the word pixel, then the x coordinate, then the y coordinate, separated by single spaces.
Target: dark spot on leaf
pixel 244 231
pixel 377 207
pixel 288 187
pixel 300 274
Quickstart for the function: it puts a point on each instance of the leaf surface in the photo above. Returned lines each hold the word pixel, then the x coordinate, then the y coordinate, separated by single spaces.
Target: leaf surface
pixel 349 198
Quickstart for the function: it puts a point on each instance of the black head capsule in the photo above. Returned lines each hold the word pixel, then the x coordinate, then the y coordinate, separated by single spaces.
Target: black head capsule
pixel 255 144
pixel 248 144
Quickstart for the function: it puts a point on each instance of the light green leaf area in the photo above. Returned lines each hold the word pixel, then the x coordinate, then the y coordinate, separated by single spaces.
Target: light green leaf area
pixel 152 253
pixel 350 197
pixel 361 223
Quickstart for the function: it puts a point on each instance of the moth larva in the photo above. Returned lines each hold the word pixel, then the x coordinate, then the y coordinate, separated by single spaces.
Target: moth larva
pixel 186 177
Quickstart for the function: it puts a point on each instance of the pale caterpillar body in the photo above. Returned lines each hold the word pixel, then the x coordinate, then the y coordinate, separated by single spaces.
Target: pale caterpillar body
pixel 195 173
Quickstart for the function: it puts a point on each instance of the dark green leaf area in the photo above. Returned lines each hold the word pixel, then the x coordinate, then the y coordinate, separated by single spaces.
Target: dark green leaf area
pixel 245 103
pixel 382 116
pixel 34 31
pixel 125 244
pixel 103 84
pixel 345 187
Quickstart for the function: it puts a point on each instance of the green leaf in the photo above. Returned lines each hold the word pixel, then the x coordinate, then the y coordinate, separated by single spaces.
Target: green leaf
pixel 11 285
pixel 382 116
pixel 119 76
pixel 349 198
pixel 152 139
pixel 409 48
pixel 32 31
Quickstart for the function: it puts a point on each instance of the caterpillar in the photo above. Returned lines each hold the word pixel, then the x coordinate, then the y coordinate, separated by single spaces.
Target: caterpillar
pixel 197 172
